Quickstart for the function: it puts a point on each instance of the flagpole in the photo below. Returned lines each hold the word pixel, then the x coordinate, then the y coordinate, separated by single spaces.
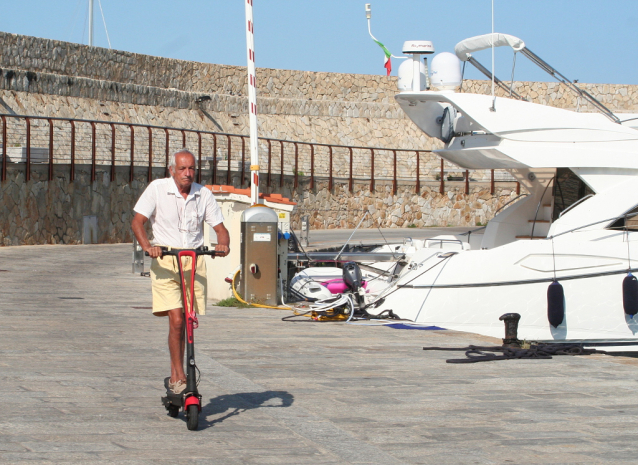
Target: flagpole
pixel 388 62
pixel 252 104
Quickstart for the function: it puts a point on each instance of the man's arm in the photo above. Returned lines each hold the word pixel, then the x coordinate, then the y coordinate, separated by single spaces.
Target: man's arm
pixel 137 225
pixel 223 239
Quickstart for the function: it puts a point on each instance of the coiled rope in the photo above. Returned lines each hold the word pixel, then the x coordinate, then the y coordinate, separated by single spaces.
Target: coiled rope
pixel 476 354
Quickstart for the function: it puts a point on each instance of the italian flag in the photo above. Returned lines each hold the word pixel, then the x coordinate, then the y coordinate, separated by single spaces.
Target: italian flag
pixel 387 63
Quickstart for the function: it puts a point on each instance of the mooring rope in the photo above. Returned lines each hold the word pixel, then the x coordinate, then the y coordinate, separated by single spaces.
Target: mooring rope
pixel 536 351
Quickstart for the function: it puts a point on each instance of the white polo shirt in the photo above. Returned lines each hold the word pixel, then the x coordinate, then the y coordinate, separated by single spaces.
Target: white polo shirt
pixel 178 222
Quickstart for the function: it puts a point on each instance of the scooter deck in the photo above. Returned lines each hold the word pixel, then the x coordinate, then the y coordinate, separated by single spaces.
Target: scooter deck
pixel 172 398
pixel 177 400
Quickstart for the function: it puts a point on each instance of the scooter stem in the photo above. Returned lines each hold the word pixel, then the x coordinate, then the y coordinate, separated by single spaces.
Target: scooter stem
pixel 189 311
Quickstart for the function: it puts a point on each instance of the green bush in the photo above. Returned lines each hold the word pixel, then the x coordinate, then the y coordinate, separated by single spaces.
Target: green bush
pixel 231 302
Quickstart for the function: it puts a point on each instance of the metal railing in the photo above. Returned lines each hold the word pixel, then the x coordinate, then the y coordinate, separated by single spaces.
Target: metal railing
pixel 48 140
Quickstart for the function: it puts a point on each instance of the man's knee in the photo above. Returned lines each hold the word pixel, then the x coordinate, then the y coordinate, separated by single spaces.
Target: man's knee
pixel 176 319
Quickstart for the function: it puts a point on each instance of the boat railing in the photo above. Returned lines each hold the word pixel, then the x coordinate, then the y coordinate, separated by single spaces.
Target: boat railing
pixel 509 202
pixel 540 202
pixel 497 81
pixel 607 220
pixel 581 200
pixel 473 231
pixel 440 241
pixel 569 83
pixel 471 45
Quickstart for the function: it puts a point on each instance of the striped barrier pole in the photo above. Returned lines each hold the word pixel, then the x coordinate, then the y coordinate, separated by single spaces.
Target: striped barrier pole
pixel 252 104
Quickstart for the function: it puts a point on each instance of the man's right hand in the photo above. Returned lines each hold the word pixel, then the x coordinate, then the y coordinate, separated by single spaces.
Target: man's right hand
pixel 154 252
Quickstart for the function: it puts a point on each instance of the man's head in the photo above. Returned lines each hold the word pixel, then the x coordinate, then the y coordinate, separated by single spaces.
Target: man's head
pixel 182 167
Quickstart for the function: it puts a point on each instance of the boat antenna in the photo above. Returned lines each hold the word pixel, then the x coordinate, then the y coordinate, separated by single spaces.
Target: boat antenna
pixel 355 230
pixel 493 70
pixel 384 239
pixel 462 76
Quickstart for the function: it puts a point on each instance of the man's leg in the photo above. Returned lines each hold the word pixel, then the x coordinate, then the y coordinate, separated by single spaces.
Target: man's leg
pixel 176 326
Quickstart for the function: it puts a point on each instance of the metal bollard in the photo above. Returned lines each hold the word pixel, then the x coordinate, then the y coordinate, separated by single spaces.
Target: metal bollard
pixel 305 231
pixel 138 258
pixel 511 329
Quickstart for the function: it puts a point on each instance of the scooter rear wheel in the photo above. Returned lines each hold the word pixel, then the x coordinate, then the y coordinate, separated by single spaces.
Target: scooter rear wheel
pixel 173 410
pixel 192 417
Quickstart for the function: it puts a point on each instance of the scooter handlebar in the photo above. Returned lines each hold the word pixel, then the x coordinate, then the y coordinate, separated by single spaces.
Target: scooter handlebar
pixel 198 251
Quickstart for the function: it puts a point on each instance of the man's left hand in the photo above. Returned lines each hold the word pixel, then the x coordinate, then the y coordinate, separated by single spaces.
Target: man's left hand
pixel 222 248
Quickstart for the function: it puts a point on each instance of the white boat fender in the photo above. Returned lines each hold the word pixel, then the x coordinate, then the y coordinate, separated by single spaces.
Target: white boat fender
pixel 555 303
pixel 630 294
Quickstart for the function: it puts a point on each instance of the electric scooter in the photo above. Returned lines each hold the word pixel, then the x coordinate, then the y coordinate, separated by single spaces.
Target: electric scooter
pixel 190 399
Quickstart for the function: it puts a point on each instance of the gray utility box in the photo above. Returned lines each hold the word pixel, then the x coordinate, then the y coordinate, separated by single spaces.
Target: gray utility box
pixel 259 238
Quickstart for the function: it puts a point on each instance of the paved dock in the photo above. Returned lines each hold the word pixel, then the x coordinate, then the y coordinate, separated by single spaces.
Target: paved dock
pixel 83 362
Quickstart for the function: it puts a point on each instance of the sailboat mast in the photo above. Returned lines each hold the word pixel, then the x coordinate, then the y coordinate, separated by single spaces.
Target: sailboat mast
pixel 91 22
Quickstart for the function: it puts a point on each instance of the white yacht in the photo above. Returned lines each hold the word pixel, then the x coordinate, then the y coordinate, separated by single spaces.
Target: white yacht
pixel 575 226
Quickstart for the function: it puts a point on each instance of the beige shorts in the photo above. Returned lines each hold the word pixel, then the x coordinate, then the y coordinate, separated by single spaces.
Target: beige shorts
pixel 167 291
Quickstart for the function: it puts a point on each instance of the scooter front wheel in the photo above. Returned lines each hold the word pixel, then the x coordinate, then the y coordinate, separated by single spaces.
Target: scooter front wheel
pixel 192 417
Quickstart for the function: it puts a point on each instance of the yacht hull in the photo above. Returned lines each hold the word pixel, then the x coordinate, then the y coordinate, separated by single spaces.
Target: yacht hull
pixel 470 290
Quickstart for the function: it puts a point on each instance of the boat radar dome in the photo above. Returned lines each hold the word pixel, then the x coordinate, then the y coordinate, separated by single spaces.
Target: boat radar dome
pixel 424 47
pixel 413 74
pixel 446 71
pixel 405 76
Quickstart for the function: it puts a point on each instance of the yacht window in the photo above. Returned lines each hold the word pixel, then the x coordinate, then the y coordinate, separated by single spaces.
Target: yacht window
pixel 631 222
pixel 568 189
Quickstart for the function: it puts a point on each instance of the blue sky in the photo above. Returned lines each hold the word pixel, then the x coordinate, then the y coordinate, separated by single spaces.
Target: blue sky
pixel 588 40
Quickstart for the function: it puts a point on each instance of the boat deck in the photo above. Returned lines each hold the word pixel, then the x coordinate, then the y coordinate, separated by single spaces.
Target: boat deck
pixel 322 239
pixel 83 364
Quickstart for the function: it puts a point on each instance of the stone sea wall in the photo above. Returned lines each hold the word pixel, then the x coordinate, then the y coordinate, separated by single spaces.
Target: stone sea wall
pixel 43 77
pixel 340 209
pixel 39 211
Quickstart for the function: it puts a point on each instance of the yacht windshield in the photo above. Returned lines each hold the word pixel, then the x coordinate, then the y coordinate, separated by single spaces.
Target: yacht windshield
pixel 568 189
pixel 628 222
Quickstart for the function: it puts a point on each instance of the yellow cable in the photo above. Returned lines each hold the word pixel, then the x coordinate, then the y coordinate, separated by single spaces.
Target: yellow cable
pixel 312 315
pixel 238 297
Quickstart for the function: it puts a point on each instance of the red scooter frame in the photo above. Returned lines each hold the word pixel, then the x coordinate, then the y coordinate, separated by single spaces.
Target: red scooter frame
pixel 190 399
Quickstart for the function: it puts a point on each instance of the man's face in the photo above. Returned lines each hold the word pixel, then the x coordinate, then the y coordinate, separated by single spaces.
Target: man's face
pixel 184 171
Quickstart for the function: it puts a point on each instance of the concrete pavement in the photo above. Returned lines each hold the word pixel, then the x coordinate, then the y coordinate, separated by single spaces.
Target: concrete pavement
pixel 82 363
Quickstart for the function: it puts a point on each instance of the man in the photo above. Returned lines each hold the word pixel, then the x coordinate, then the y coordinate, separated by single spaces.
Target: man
pixel 177 208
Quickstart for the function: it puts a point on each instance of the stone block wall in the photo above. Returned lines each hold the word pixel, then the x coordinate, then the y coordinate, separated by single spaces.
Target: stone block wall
pixel 39 211
pixel 338 208
pixel 52 78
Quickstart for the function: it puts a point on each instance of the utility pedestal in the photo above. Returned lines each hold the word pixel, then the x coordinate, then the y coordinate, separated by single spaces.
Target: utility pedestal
pixel 259 264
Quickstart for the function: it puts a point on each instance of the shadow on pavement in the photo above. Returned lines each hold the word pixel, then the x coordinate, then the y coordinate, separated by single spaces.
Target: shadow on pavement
pixel 234 404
